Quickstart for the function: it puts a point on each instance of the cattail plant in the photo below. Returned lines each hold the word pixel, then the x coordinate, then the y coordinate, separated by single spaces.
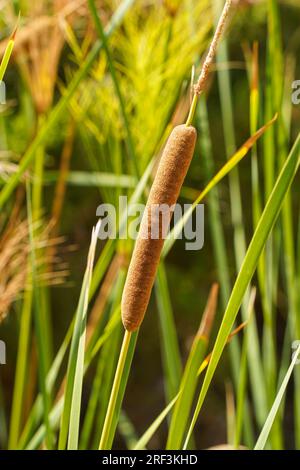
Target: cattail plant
pixel 165 190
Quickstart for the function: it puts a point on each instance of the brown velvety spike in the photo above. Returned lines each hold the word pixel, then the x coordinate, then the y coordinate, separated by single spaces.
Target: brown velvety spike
pixel 172 169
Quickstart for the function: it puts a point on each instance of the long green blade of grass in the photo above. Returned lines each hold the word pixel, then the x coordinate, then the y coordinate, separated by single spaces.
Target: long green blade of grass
pixel 62 105
pixel 171 353
pixel 261 442
pixel 242 383
pixel 30 435
pixel 149 433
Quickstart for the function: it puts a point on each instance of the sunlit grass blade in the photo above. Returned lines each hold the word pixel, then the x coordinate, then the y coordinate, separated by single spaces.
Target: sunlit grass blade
pixel 79 372
pixel 73 388
pixel 225 170
pixel 57 112
pixel 85 178
pixel 148 434
pixel 109 248
pixel 264 227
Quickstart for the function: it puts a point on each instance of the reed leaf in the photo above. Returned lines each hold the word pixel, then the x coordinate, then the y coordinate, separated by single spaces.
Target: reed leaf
pixel 264 227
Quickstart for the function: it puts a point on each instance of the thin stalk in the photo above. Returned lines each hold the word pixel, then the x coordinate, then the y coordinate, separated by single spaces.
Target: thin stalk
pixel 21 367
pixel 109 357
pixel 114 392
pixel 192 111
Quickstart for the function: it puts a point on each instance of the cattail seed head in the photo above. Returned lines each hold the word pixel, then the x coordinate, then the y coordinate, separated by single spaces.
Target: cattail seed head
pixel 165 190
